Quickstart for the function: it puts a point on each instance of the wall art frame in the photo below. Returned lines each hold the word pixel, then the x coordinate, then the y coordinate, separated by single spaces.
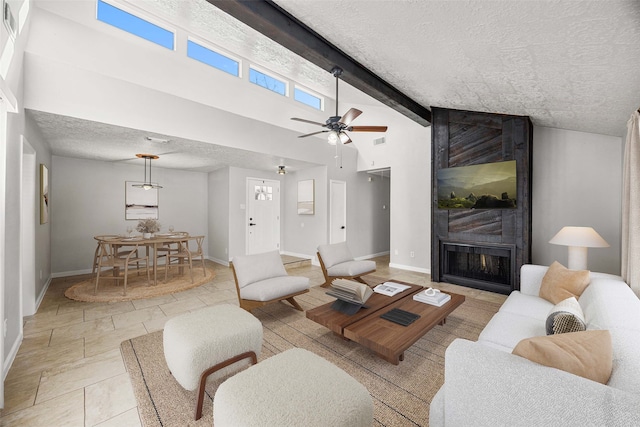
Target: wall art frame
pixel 140 203
pixel 306 197
pixel 44 194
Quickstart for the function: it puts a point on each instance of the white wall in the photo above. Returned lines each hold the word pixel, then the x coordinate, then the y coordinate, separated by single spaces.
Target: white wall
pixel 42 264
pixel 303 233
pixel 12 85
pixel 218 207
pixel 577 180
pixel 88 198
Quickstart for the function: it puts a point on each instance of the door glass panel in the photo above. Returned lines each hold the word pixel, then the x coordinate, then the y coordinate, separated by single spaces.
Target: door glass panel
pixel 263 192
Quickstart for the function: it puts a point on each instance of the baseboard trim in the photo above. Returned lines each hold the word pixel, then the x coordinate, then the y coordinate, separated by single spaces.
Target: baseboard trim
pixel 8 361
pixel 42 294
pixel 372 255
pixel 70 273
pixel 297 255
pixel 218 261
pixel 410 268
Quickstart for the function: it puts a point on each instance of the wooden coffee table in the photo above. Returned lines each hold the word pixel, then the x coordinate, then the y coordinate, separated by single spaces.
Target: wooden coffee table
pixel 388 339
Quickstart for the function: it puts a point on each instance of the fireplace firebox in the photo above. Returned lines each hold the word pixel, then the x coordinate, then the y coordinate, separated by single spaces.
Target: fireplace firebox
pixel 482 266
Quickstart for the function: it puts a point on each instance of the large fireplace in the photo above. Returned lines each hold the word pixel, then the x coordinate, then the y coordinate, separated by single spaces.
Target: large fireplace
pixel 489 267
pixel 481 208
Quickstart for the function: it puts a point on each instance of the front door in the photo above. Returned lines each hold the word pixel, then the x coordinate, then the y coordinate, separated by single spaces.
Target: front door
pixel 338 215
pixel 263 215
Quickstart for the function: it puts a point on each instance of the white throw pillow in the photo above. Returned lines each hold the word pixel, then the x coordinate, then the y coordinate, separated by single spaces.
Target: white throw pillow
pixel 566 316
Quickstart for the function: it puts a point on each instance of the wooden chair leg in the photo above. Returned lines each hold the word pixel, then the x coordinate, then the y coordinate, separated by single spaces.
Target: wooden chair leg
pixel 294 303
pixel 205 375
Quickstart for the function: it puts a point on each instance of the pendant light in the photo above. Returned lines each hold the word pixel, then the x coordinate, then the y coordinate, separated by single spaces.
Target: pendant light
pixel 147 185
pixel 281 170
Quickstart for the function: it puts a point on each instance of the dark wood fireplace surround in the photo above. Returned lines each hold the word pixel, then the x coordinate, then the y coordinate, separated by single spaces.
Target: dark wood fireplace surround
pixel 481 248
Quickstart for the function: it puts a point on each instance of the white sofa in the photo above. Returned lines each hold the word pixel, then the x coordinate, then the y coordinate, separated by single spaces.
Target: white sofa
pixel 486 385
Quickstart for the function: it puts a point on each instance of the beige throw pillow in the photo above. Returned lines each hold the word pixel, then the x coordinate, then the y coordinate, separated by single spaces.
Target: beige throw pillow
pixel 588 354
pixel 560 283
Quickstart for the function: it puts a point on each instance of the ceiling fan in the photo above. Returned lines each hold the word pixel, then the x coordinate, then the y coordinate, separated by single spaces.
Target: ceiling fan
pixel 336 126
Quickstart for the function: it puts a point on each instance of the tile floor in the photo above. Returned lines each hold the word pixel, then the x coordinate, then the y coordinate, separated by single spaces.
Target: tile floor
pixel 69 370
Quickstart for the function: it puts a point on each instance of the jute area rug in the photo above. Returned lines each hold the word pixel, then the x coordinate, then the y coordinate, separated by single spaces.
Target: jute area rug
pixel 401 394
pixel 137 287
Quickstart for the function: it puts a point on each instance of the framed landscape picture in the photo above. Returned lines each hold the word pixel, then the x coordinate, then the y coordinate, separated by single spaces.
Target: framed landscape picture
pixel 306 199
pixel 44 194
pixel 140 203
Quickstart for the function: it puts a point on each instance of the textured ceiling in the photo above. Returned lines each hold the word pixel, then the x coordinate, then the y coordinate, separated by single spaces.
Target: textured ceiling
pixel 73 137
pixel 566 64
pixel 570 64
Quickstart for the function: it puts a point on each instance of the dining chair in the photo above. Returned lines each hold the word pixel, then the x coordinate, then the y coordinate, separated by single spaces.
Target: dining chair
pixel 111 258
pixel 168 247
pixel 198 253
pixel 102 237
pixel 181 258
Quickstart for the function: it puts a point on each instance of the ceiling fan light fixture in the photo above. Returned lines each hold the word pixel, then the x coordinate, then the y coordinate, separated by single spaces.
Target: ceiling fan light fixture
pixel 344 138
pixel 332 138
pixel 281 170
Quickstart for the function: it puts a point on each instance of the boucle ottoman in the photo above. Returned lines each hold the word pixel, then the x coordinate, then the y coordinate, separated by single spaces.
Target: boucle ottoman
pixel 216 339
pixel 293 388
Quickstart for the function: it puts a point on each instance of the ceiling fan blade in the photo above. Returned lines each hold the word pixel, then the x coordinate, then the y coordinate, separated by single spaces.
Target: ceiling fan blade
pixel 313 133
pixel 368 128
pixel 350 115
pixel 307 121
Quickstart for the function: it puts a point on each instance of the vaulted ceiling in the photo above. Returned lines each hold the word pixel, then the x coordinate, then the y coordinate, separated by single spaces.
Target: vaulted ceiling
pixel 567 64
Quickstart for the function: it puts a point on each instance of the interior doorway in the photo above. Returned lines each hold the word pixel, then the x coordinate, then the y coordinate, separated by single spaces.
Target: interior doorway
pixel 263 215
pixel 338 211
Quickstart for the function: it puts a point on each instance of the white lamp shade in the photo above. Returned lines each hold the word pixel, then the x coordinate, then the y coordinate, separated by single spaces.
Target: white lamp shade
pixel 579 236
pixel 578 239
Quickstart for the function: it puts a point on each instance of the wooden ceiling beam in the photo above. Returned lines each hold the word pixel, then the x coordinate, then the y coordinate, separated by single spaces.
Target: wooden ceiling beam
pixel 269 19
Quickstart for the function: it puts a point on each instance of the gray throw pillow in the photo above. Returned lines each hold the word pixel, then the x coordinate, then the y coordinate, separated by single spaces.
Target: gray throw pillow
pixel 566 316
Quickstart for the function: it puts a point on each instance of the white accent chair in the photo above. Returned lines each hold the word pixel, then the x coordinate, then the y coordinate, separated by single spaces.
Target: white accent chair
pixel 292 388
pixel 262 279
pixel 338 263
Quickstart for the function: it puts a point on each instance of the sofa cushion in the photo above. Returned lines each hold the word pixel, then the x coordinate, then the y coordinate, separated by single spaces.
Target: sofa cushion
pixel 351 268
pixel 566 316
pixel 560 283
pixel 254 268
pixel 587 354
pixel 527 305
pixel 334 254
pixel 626 363
pixel 609 304
pixel 508 329
pixel 276 287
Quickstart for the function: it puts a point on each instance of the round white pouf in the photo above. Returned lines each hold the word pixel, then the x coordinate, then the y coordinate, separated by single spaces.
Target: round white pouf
pixel 194 342
pixel 293 388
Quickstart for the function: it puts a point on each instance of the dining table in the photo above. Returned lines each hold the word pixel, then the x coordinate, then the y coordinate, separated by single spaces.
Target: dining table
pixel 156 241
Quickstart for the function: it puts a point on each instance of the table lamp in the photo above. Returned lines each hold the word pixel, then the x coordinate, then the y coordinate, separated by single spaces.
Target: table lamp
pixel 578 239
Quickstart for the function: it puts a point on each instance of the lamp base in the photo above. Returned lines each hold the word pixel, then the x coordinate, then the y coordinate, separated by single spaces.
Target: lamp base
pixel 577 258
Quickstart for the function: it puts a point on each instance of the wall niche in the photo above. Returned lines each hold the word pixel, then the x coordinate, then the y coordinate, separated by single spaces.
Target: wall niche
pixel 481 230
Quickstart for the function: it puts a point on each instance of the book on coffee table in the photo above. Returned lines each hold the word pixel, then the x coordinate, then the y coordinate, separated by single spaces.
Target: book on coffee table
pixel 390 288
pixel 350 291
pixel 438 299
